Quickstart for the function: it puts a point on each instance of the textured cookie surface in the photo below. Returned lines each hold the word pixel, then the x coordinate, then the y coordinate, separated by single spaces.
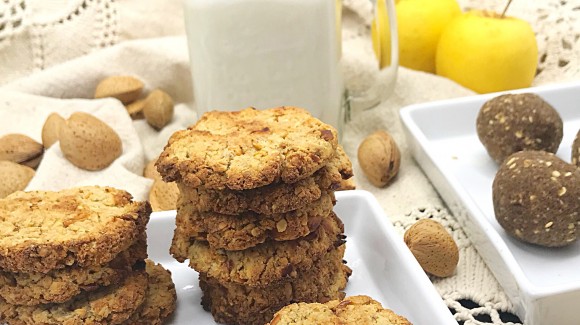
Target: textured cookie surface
pixel 536 198
pixel 248 149
pixel 264 263
pixel 514 122
pixel 63 284
pixel 250 229
pixel 355 310
pixel 160 300
pixel 109 305
pixel 239 304
pixel 274 198
pixel 86 226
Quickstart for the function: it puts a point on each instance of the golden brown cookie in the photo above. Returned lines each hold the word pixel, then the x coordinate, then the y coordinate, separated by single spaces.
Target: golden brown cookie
pixel 86 226
pixel 248 149
pixel 273 198
pixel 263 264
pixel 355 310
pixel 106 306
pixel 250 229
pixel 63 284
pixel 238 304
pixel 161 298
pixel 305 313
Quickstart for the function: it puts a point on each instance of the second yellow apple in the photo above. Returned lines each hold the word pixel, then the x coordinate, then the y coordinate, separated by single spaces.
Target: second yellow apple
pixel 488 52
pixel 420 23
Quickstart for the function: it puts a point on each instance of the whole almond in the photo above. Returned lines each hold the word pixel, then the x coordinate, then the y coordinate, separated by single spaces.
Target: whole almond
pixel 88 142
pixel 379 158
pixel 51 129
pixel 14 177
pixel 433 247
pixel 158 109
pixel 125 88
pixel 21 149
pixel 135 109
pixel 163 196
pixel 150 171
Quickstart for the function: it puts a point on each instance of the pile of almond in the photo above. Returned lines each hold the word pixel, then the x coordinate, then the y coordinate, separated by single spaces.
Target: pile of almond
pixel 19 156
pixel 86 141
pixel 156 107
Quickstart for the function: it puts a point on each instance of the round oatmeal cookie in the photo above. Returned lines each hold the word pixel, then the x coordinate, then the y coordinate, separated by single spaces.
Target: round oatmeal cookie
pixel 353 310
pixel 247 149
pixel 536 198
pixel 273 198
pixel 263 264
pixel 250 229
pixel 238 304
pixel 60 285
pixel 514 122
pixel 576 150
pixel 305 313
pixel 86 226
pixel 161 298
pixel 106 306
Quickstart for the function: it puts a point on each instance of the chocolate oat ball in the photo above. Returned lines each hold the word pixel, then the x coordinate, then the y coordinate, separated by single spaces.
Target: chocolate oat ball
pixel 576 150
pixel 515 122
pixel 536 198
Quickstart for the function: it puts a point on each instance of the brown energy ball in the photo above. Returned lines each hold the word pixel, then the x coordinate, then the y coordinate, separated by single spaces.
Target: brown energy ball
pixel 576 150
pixel 536 198
pixel 515 122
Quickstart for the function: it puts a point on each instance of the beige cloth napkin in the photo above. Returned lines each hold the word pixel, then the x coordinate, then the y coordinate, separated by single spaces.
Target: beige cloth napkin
pixel 56 90
pixel 25 114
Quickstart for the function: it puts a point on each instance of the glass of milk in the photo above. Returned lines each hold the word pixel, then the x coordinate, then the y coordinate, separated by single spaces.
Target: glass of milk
pixel 268 53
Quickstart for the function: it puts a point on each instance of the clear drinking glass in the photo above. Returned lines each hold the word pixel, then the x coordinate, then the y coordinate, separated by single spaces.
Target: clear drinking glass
pixel 268 53
pixel 387 49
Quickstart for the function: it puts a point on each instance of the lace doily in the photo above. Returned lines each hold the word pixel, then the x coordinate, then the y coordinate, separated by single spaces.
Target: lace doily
pixel 37 34
pixel 557 28
pixel 475 304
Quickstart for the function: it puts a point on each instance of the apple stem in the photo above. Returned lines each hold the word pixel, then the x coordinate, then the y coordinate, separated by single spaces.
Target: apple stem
pixel 506 8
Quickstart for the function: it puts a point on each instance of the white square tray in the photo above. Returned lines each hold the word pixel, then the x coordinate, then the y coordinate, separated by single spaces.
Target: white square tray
pixel 383 267
pixel 543 284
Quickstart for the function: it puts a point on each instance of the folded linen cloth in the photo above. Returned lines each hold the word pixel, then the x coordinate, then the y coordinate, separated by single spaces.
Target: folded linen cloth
pixel 25 114
pixel 66 88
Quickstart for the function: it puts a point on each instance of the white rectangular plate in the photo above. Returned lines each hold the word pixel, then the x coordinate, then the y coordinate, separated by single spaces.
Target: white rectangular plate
pixel 383 267
pixel 543 284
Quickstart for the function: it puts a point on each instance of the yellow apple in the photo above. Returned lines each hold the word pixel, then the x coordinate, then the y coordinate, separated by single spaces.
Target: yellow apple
pixel 420 23
pixel 487 52
pixel 381 36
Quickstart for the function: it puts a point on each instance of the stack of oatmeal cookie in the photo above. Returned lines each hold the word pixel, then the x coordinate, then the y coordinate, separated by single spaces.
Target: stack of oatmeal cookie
pixel 78 257
pixel 255 213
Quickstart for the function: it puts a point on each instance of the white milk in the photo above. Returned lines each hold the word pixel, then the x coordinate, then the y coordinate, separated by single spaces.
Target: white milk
pixel 266 53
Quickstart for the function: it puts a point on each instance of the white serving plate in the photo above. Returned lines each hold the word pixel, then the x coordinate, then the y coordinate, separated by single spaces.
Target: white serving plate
pixel 383 267
pixel 543 284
